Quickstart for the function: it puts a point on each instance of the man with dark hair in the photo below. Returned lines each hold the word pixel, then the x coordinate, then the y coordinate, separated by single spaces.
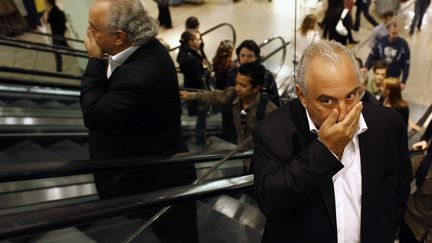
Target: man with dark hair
pixel 192 23
pixel 396 53
pixel 328 168
pixel 248 51
pixel 248 105
pixel 375 85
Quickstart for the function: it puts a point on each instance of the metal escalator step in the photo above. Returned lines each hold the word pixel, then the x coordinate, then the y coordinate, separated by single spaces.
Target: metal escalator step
pixel 23 103
pixel 4 158
pixel 66 235
pixel 75 105
pixel 52 104
pixel 68 150
pixel 214 226
pixel 28 151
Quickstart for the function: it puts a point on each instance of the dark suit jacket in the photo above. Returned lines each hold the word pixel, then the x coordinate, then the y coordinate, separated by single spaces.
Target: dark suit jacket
pixel 293 177
pixel 134 113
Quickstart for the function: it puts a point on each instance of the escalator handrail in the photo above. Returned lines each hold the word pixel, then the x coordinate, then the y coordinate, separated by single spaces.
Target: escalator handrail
pixel 41 48
pixel 32 43
pixel 33 83
pixel 283 47
pixel 212 29
pixel 39 73
pixel 36 170
pixel 42 220
pixel 39 33
pixel 372 35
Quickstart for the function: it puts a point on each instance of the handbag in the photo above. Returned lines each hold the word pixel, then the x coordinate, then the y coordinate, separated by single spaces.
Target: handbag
pixel 340 27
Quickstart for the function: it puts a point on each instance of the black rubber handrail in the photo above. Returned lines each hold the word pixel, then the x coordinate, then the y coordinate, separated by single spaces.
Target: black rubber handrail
pixel 41 48
pixel 39 83
pixel 39 73
pixel 38 44
pixel 43 220
pixel 282 47
pixel 39 33
pixel 24 171
pixel 214 28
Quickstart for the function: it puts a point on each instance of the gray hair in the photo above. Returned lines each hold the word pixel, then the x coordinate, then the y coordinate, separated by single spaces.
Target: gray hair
pixel 331 51
pixel 131 17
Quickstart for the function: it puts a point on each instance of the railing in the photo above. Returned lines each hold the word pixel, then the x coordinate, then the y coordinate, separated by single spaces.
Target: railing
pixel 25 171
pixel 37 44
pixel 36 221
pixel 39 33
pixel 43 48
pixel 212 29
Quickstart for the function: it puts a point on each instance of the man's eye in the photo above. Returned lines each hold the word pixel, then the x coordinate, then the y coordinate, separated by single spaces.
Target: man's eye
pixel 326 101
pixel 351 96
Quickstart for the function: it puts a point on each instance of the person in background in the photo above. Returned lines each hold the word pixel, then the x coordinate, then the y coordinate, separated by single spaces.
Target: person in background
pixel 393 98
pixel 308 34
pixel 248 105
pixel 196 76
pixel 420 8
pixel 396 53
pixel 381 30
pixel 164 16
pixel 328 168
pixel 364 95
pixel 375 85
pixel 222 63
pixel 417 223
pixel 363 6
pixel 192 23
pixel 332 16
pixel 57 21
pixel 222 66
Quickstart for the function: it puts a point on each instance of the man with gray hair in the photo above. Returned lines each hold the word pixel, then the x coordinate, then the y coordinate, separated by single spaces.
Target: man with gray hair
pixel 327 167
pixel 131 105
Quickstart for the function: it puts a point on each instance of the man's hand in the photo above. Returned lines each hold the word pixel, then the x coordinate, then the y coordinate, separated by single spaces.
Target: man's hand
pixel 93 49
pixel 420 145
pixel 184 95
pixel 336 135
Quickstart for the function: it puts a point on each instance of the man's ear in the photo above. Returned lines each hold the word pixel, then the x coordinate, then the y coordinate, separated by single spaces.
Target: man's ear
pixel 301 96
pixel 120 37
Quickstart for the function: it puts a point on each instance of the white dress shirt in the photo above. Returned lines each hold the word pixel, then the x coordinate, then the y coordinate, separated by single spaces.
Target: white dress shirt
pixel 347 185
pixel 118 59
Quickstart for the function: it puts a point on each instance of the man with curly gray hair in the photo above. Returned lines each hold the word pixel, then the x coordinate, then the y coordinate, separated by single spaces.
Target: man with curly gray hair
pixel 327 167
pixel 131 105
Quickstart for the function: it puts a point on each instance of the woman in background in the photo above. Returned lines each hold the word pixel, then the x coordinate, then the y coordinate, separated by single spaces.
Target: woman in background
pixel 393 98
pixel 308 34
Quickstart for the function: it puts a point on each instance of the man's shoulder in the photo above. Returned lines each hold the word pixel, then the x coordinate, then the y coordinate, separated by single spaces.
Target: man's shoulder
pixel 287 117
pixel 382 118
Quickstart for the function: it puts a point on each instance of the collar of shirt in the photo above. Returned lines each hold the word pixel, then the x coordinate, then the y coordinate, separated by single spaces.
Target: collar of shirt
pixel 361 128
pixel 239 102
pixel 118 59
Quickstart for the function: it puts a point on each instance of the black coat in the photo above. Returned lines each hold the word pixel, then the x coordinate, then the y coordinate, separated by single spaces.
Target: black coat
pixel 194 72
pixel 293 177
pixel 134 113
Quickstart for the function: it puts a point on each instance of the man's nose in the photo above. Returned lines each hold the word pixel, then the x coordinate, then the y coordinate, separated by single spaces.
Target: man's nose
pixel 343 110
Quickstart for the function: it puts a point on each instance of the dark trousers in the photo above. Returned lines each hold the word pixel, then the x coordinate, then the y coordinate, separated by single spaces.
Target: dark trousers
pixel 420 8
pixel 200 125
pixel 164 16
pixel 363 7
pixel 59 40
pixel 406 235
